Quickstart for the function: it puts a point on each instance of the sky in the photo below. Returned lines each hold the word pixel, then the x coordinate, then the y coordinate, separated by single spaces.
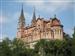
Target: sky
pixel 10 12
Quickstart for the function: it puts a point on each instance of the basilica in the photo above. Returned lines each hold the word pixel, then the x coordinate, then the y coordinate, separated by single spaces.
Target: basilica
pixel 40 28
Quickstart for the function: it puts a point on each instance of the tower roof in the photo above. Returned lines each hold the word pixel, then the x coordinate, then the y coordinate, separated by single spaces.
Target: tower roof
pixel 21 19
pixel 22 14
pixel 55 18
pixel 34 18
pixel 56 21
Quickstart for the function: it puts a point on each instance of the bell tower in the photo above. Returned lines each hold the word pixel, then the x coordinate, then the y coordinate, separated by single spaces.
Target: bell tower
pixel 21 25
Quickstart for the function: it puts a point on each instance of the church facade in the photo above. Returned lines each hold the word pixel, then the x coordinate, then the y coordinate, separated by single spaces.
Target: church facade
pixel 39 29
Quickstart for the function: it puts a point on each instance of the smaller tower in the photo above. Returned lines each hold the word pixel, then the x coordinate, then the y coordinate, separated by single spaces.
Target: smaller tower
pixel 33 23
pixel 21 25
pixel 57 28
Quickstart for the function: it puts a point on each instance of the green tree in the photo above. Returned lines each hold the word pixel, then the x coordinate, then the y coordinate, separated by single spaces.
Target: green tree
pixel 5 47
pixel 73 43
pixel 53 48
pixel 39 47
pixel 18 48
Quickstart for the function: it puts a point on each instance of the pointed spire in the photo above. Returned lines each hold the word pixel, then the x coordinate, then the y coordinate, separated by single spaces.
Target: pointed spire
pixel 22 14
pixel 34 18
pixel 22 19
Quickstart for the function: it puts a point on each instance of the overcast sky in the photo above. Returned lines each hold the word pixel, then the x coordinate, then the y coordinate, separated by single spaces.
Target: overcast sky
pixel 10 11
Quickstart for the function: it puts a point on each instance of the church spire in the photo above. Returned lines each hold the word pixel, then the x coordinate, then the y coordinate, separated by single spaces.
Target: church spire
pixel 34 18
pixel 22 19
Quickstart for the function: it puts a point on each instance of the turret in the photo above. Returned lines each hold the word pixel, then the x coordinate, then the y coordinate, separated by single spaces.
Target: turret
pixel 57 28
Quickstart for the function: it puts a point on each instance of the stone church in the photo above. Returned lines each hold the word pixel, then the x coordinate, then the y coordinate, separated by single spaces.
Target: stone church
pixel 40 28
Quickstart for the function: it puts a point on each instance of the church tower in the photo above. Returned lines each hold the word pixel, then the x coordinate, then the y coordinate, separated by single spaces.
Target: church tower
pixel 21 25
pixel 33 23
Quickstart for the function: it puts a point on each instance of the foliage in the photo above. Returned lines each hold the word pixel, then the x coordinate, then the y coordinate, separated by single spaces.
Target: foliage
pixel 73 43
pixel 53 48
pixel 43 47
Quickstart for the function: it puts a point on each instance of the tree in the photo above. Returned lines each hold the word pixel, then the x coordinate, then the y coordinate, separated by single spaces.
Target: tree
pixel 5 47
pixel 73 43
pixel 74 33
pixel 18 48
pixel 39 47
pixel 53 48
